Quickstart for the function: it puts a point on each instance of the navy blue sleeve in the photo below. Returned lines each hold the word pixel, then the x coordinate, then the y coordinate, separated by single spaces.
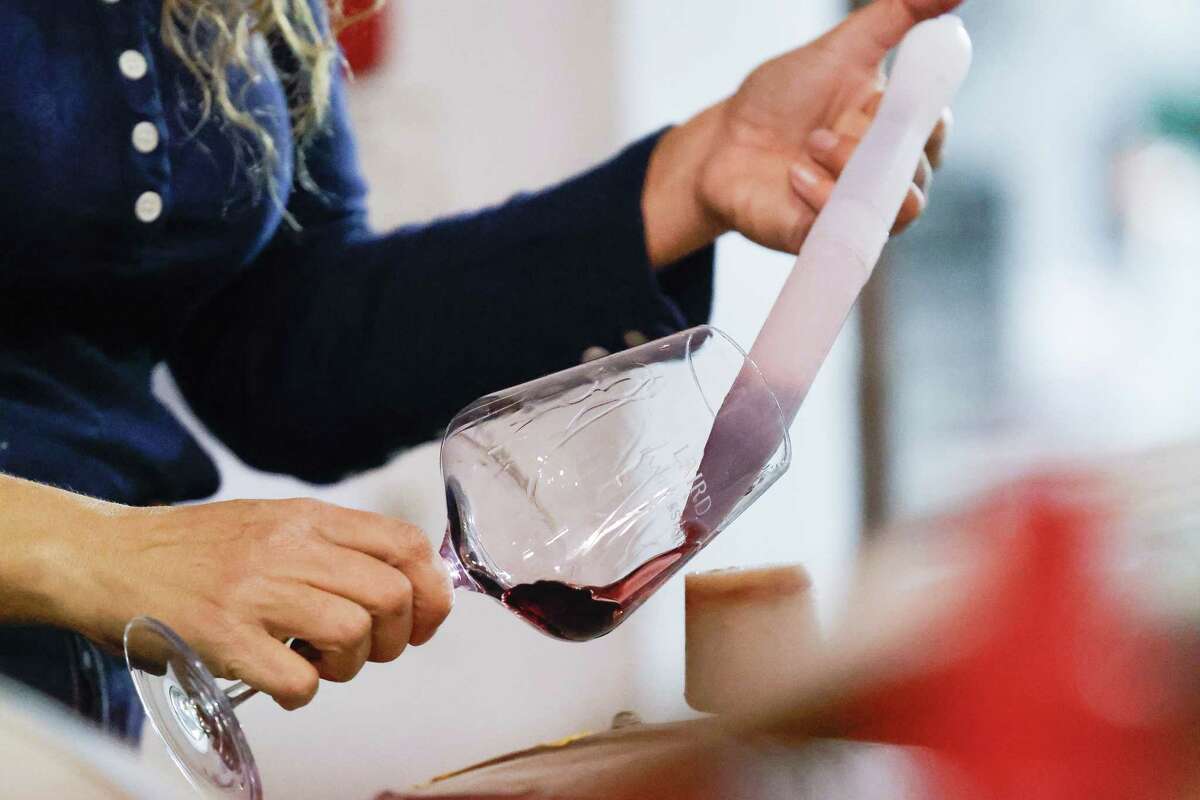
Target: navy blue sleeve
pixel 339 347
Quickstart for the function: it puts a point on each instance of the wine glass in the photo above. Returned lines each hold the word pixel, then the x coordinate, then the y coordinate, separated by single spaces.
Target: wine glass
pixel 573 497
pixel 570 498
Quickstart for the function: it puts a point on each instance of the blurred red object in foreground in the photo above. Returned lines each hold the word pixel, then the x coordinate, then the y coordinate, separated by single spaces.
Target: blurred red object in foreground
pixel 1066 690
pixel 1008 653
pixel 365 42
pixel 393 796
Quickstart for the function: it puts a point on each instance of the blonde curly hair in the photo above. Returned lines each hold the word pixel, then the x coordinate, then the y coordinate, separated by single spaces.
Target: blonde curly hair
pixel 214 38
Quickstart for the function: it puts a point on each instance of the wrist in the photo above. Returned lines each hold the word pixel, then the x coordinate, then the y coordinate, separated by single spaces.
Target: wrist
pixel 91 562
pixel 677 219
pixel 53 551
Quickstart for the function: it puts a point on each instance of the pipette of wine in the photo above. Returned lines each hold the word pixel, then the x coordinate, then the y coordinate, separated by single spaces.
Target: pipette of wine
pixel 837 257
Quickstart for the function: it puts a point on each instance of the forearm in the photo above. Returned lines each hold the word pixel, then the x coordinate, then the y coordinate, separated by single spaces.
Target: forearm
pixel 425 319
pixel 47 537
pixel 234 579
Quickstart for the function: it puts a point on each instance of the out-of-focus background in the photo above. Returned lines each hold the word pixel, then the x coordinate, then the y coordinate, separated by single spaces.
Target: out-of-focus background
pixel 1046 305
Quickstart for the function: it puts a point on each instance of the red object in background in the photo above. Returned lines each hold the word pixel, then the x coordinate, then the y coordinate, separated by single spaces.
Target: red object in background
pixel 366 41
pixel 1069 695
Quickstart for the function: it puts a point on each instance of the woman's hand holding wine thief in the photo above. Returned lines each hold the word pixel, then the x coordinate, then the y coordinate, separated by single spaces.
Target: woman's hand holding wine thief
pixel 236 579
pixel 764 161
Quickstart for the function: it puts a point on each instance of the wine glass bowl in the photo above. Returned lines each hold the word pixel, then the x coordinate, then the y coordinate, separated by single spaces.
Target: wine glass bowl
pixel 569 496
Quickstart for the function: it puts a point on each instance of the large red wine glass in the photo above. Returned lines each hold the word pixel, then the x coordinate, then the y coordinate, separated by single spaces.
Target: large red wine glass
pixel 571 498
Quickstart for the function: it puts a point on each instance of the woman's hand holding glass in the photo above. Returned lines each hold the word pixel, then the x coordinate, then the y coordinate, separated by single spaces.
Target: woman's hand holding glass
pixel 238 579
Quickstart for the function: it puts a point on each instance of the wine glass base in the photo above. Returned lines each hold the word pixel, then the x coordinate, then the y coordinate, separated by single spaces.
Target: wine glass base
pixel 190 712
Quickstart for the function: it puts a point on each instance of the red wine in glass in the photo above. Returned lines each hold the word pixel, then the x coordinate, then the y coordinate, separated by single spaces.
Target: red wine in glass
pixel 569 611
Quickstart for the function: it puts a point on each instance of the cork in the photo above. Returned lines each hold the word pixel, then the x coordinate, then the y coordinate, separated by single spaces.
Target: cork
pixel 747 630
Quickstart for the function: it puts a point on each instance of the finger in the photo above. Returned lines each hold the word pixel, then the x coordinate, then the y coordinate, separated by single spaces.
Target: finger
pixel 341 666
pixel 389 637
pixel 433 599
pixel 868 34
pixel 389 540
pixel 923 179
pixel 910 209
pixel 859 115
pixel 338 628
pixel 794 225
pixel 272 667
pixel 813 184
pixel 853 122
pixel 936 145
pixel 833 152
pixel 830 150
pixel 768 210
pixel 380 588
pixel 405 547
pixel 866 99
pixel 383 590
pixel 871 107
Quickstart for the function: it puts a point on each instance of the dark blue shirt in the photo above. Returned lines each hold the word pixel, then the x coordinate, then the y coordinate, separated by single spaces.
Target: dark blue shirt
pixel 129 237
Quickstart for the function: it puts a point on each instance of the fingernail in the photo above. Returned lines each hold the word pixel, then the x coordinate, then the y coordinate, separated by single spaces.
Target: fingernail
pixel 804 175
pixel 822 139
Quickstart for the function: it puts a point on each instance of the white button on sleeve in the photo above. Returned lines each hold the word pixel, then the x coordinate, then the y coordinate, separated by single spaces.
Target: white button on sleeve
pixel 145 137
pixel 148 207
pixel 132 64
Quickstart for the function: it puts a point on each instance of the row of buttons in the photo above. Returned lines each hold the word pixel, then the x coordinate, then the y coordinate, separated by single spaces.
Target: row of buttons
pixel 149 205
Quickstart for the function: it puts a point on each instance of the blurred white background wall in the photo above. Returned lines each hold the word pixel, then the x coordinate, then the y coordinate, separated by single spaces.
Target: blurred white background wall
pixel 1080 126
pixel 481 100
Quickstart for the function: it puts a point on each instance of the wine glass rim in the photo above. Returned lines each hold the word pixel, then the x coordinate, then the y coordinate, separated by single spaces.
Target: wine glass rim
pixel 451 429
pixel 165 631
pixel 225 708
pixel 786 457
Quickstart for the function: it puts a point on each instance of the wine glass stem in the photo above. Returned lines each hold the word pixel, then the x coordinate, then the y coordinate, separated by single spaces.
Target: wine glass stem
pixel 459 579
pixel 458 576
pixel 239 693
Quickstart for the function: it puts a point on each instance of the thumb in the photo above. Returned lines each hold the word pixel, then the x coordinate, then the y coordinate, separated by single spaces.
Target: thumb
pixel 868 34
